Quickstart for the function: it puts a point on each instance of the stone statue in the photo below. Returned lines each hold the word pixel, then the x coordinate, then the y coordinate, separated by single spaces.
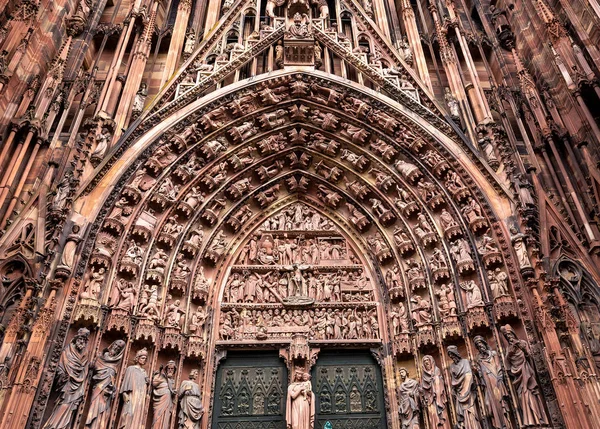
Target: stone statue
pixel 163 395
pixel 190 403
pixel 498 283
pixel 409 401
pixel 491 376
pixel 463 390
pixel 71 377
pixel 133 392
pixel 518 241
pixel 190 42
pixel 433 394
pixel 102 142
pixel 300 407
pixel 104 380
pixel 407 54
pixel 140 99
pixel 92 289
pixel 474 298
pixel 452 103
pixel 522 376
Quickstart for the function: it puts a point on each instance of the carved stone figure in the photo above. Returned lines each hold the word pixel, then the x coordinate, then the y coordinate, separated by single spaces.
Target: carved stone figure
pixel 421 310
pixel 300 408
pixel 140 99
pixel 71 377
pixel 498 283
pixel 474 298
pixel 463 390
pixel 518 241
pixel 190 41
pixel 104 380
pixel 163 395
pixel 190 403
pixel 102 142
pixel 522 377
pixel 133 392
pixel 433 394
pixel 408 393
pixel 452 104
pixel 94 285
pixel 491 376
pixel 174 314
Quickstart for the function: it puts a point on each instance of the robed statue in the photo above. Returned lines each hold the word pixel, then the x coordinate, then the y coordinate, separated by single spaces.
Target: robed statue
pixel 408 391
pixel 103 385
pixel 522 376
pixel 300 407
pixel 163 395
pixel 491 376
pixel 71 374
pixel 463 390
pixel 133 392
pixel 190 403
pixel 433 394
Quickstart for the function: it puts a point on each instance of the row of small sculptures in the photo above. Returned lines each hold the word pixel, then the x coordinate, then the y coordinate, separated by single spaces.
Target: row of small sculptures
pixel 494 375
pixel 286 251
pixel 323 324
pixel 270 287
pixel 74 371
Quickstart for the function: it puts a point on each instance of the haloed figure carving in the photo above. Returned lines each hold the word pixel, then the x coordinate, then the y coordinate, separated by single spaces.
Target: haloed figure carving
pixel 163 395
pixel 104 388
pixel 190 403
pixel 523 379
pixel 71 375
pixel 463 390
pixel 133 392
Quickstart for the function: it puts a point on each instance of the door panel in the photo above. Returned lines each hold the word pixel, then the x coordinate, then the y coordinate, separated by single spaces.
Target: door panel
pixel 349 391
pixel 250 392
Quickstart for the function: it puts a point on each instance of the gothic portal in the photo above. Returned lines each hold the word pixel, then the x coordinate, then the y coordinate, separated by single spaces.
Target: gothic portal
pixel 299 214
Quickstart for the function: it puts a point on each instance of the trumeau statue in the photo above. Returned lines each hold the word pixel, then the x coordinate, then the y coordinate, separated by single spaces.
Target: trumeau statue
pixel 163 395
pixel 433 394
pixel 409 401
pixel 491 376
pixel 463 389
pixel 300 408
pixel 71 377
pixel 190 403
pixel 522 377
pixel 104 381
pixel 133 392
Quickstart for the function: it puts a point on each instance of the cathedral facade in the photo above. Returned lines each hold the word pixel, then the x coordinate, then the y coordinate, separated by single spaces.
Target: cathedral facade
pixel 299 214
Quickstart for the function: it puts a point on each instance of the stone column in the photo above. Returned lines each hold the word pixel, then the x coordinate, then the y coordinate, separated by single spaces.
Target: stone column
pixel 414 39
pixel 177 39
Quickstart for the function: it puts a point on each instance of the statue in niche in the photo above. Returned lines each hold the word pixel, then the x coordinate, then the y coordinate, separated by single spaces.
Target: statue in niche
pixel 474 298
pixel 102 141
pixel 133 254
pixel 399 318
pixel 491 376
pixel 104 380
pixel 472 210
pixel 133 392
pixel 71 377
pixel 190 403
pixel 163 395
pixel 409 401
pixel 151 309
pixel 421 310
pixel 322 7
pixel 522 376
pixel 447 220
pixel 140 99
pixel 460 251
pixel 299 27
pixel 174 315
pixel 94 285
pixel 190 40
pixel 433 394
pixel 123 296
pixel 446 300
pixel 463 389
pixel 300 407
pixel 197 322
pixel 498 283
pixel 452 104
pixel 407 54
pixel 518 241
pixel 271 5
